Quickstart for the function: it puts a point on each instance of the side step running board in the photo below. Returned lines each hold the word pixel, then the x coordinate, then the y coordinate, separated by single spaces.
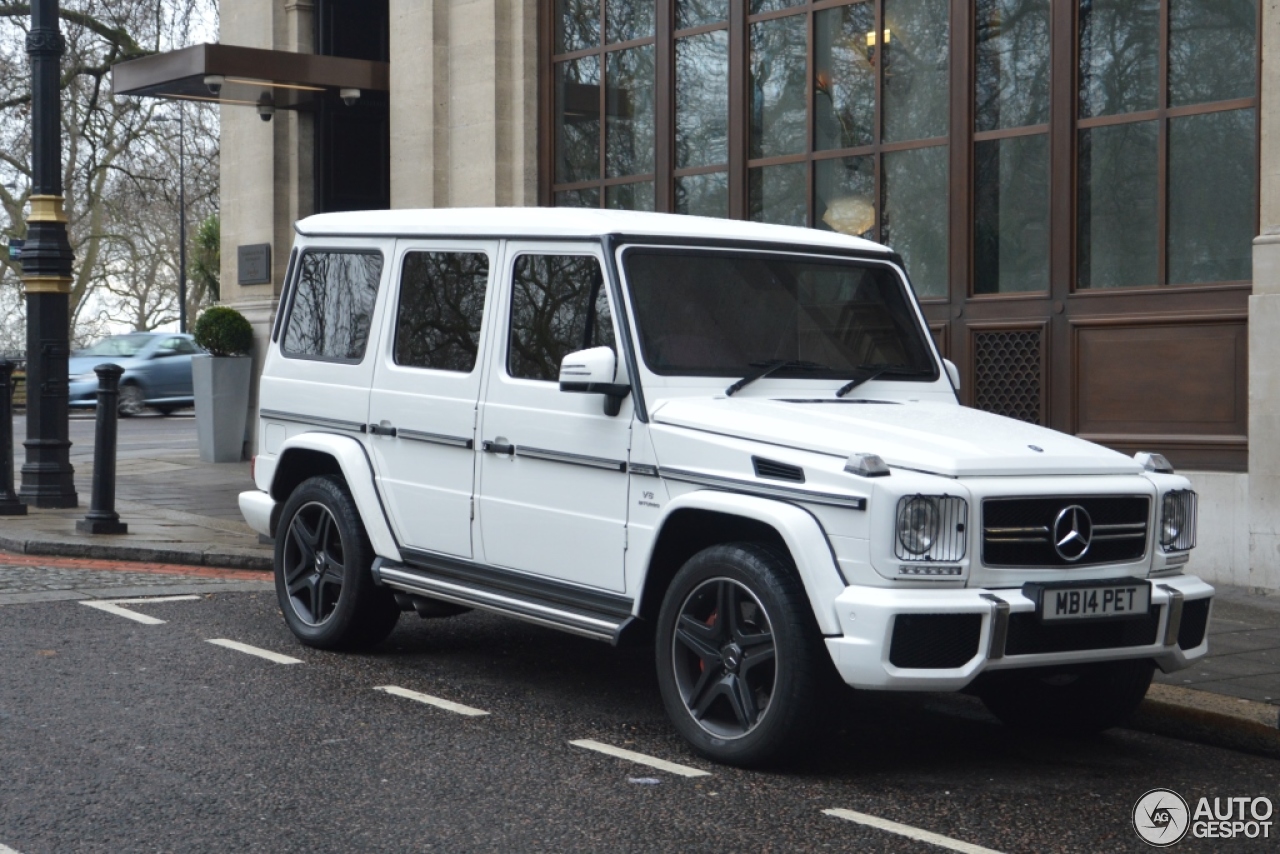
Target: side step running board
pixel 595 625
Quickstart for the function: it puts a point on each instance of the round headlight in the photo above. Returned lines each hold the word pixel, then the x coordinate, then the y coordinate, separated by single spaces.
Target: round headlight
pixel 918 524
pixel 1173 519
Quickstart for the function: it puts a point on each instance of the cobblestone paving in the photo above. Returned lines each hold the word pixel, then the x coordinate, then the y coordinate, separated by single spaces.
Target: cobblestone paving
pixel 28 580
pixel 35 579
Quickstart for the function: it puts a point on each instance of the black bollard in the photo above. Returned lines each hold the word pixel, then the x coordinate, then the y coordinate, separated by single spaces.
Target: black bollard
pixel 9 503
pixel 102 517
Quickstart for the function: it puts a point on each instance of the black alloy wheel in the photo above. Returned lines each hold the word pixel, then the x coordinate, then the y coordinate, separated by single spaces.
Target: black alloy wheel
pixel 314 563
pixel 741 666
pixel 322 570
pixel 724 658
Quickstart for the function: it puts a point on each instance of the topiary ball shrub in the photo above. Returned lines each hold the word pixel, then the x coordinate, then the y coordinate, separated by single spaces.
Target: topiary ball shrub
pixel 223 331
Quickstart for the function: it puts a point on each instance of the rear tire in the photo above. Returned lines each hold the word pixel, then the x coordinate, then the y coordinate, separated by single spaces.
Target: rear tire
pixel 1077 700
pixel 740 661
pixel 322 570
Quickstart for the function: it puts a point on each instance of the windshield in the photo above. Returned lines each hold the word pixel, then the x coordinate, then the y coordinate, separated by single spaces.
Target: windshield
pixel 725 314
pixel 117 345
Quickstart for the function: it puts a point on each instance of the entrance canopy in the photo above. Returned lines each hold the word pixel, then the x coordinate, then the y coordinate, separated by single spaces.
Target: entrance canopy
pixel 228 74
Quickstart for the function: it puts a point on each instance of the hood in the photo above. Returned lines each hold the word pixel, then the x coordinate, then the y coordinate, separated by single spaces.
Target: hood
pixel 939 438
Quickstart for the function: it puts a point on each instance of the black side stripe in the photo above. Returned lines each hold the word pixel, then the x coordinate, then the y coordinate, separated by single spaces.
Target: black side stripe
pixel 766 490
pixel 436 438
pixel 571 459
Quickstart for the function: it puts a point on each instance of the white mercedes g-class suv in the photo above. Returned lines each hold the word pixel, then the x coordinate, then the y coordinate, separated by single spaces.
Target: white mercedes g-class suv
pixel 735 440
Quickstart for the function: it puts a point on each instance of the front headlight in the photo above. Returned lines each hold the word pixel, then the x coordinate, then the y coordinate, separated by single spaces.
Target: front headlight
pixel 931 527
pixel 1178 520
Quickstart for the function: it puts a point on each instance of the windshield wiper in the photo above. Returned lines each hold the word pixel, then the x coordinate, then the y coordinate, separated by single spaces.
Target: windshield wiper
pixel 876 371
pixel 767 368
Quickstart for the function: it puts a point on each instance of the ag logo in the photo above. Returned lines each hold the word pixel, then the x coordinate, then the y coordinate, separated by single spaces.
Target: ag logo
pixel 1161 817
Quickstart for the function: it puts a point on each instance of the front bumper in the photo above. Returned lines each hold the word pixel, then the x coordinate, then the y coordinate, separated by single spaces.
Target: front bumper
pixel 948 637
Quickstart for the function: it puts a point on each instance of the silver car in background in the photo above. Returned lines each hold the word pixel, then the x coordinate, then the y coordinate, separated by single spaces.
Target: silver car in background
pixel 157 371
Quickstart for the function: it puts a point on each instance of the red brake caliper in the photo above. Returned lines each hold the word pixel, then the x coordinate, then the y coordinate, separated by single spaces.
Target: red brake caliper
pixel 711 621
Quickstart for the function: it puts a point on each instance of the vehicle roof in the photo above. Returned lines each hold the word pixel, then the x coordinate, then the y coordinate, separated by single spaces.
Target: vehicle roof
pixel 566 223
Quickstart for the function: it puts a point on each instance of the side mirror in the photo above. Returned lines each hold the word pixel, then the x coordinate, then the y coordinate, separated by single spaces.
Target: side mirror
pixel 594 371
pixel 953 373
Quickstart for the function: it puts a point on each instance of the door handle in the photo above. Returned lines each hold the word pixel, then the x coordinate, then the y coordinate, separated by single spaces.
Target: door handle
pixel 382 430
pixel 498 446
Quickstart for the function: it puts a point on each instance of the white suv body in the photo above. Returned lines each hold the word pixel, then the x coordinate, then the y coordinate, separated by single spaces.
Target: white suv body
pixel 579 417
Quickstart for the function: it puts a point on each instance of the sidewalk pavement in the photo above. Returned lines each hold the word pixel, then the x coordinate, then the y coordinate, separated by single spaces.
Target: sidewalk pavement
pixel 179 510
pixel 183 511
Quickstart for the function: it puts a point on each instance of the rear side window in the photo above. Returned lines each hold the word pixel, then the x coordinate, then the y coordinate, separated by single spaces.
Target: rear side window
pixel 181 346
pixel 333 305
pixel 440 311
pixel 558 306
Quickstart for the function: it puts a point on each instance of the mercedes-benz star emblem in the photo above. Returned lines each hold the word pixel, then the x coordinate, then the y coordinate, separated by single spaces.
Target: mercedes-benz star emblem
pixel 1072 533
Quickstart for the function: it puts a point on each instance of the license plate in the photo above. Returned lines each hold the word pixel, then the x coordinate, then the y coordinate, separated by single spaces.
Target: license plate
pixel 1092 602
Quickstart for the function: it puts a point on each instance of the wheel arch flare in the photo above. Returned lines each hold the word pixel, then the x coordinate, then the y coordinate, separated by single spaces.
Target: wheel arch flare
pixel 705 517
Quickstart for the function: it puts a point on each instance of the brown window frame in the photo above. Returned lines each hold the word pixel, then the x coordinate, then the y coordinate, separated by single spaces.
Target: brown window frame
pixel 1062 128
pixel 739 165
pixel 1162 114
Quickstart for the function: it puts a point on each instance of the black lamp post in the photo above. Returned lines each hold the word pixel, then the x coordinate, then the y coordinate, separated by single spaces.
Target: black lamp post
pixel 182 214
pixel 47 476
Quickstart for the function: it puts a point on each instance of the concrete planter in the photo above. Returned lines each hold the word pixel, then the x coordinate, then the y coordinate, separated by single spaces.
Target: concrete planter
pixel 222 405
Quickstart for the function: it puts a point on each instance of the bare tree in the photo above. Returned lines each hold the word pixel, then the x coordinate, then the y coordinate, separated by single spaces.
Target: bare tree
pixel 120 163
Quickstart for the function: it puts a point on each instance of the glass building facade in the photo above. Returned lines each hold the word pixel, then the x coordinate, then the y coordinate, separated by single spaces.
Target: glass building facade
pixel 1072 183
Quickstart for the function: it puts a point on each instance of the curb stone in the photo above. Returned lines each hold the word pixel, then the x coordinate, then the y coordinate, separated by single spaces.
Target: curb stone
pixel 1214 719
pixel 148 553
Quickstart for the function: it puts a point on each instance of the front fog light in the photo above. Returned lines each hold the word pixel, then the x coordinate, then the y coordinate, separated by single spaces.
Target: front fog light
pixel 1178 520
pixel 918 524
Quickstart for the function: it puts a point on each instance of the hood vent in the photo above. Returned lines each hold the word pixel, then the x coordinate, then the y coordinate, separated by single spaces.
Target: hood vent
pixel 774 470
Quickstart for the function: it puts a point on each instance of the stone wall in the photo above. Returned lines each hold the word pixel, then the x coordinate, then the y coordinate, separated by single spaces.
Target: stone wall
pixel 1222 538
pixel 1264 327
pixel 266 172
pixel 463 103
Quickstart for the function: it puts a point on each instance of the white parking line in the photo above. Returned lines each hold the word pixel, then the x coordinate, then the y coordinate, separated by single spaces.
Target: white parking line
pixel 447 705
pixel 253 650
pixel 910 832
pixel 632 756
pixel 112 606
pixel 5 849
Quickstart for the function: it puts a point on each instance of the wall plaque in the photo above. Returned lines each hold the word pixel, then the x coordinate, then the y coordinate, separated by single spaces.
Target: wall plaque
pixel 254 264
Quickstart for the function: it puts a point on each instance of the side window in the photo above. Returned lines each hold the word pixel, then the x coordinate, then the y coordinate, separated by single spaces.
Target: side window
pixel 441 306
pixel 183 346
pixel 558 305
pixel 333 305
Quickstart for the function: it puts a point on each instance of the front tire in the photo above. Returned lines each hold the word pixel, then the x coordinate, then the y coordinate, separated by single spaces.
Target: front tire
pixel 1070 701
pixel 322 562
pixel 739 656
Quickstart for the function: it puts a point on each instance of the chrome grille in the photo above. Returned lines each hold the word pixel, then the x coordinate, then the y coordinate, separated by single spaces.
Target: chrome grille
pixel 1021 531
